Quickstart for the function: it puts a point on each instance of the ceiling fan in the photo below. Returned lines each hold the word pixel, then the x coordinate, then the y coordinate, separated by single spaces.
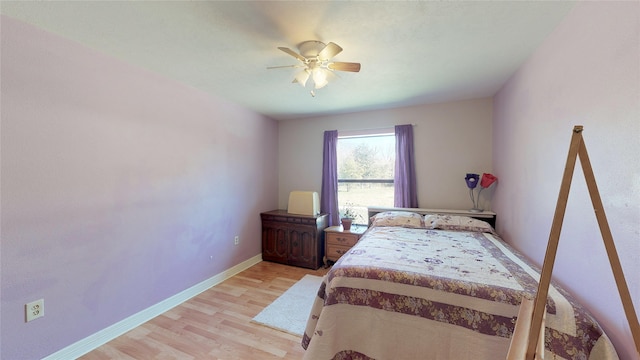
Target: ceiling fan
pixel 316 61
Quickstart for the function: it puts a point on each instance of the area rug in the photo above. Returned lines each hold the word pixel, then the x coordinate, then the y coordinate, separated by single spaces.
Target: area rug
pixel 290 311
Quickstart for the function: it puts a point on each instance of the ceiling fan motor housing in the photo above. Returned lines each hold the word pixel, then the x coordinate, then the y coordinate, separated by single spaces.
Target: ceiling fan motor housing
pixel 310 48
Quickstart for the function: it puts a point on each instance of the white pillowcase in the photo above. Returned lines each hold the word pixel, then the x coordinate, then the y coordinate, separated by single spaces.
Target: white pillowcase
pixel 457 223
pixel 397 218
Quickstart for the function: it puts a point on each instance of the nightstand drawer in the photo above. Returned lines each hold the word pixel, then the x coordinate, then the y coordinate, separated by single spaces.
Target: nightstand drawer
pixel 341 239
pixel 337 241
pixel 334 252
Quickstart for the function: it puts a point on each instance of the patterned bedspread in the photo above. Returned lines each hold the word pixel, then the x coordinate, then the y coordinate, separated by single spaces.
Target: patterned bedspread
pixel 404 293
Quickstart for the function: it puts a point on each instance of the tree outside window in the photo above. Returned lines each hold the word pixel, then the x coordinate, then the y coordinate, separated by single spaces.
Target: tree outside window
pixel 365 172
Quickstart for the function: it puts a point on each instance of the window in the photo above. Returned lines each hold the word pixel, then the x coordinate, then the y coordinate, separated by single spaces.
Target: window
pixel 365 171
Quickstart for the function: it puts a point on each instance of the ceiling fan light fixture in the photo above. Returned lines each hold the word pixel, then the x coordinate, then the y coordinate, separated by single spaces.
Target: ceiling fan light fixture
pixel 320 77
pixel 302 77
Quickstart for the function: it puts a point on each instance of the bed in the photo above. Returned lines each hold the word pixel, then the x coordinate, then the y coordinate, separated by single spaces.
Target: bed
pixel 438 286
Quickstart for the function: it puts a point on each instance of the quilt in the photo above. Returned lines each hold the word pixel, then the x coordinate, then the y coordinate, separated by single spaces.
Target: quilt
pixel 418 293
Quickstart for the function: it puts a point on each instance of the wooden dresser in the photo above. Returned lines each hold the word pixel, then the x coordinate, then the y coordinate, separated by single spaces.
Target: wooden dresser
pixel 293 239
pixel 338 241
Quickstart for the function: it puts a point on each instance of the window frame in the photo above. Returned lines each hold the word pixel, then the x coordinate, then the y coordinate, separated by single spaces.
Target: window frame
pixel 364 133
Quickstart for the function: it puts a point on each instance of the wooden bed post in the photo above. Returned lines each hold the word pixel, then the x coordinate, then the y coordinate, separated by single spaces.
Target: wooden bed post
pixel 577 148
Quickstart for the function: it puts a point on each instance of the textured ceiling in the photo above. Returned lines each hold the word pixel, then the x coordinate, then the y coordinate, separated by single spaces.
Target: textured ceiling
pixel 411 52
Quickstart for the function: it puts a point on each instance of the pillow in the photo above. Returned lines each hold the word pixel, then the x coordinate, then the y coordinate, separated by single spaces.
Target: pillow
pixel 457 223
pixel 397 218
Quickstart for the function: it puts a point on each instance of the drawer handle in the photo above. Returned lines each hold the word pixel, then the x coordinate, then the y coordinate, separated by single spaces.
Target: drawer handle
pixel 341 252
pixel 341 239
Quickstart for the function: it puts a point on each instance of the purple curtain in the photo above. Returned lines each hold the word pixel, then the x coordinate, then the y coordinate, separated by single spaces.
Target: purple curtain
pixel 405 194
pixel 329 194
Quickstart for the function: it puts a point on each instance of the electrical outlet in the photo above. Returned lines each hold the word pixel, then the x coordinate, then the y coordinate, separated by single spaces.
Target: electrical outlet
pixel 236 240
pixel 34 310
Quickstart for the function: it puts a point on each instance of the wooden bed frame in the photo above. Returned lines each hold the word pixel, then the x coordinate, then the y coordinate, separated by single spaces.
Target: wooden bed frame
pixel 488 216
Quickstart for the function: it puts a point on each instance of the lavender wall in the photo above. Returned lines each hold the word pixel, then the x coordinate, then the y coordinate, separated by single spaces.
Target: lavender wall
pixel 118 186
pixel 587 72
pixel 451 139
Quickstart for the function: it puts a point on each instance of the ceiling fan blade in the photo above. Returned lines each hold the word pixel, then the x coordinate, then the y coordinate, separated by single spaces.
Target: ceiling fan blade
pixel 344 66
pixel 293 53
pixel 329 51
pixel 285 66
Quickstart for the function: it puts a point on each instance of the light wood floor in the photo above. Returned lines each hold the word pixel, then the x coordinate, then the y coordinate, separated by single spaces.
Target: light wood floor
pixel 217 323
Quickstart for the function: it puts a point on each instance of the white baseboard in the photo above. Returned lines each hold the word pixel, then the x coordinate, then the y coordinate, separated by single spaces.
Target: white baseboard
pixel 105 335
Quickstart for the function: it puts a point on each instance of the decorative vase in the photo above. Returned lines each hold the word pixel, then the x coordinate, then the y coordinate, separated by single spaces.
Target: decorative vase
pixel 346 223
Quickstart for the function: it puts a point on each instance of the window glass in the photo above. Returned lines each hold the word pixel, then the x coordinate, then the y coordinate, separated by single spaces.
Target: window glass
pixel 365 172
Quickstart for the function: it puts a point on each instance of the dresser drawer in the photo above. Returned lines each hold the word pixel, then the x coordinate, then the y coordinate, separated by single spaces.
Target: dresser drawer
pixel 342 239
pixel 334 252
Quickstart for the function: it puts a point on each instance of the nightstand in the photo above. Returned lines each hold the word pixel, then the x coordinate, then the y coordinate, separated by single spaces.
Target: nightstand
pixel 337 241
